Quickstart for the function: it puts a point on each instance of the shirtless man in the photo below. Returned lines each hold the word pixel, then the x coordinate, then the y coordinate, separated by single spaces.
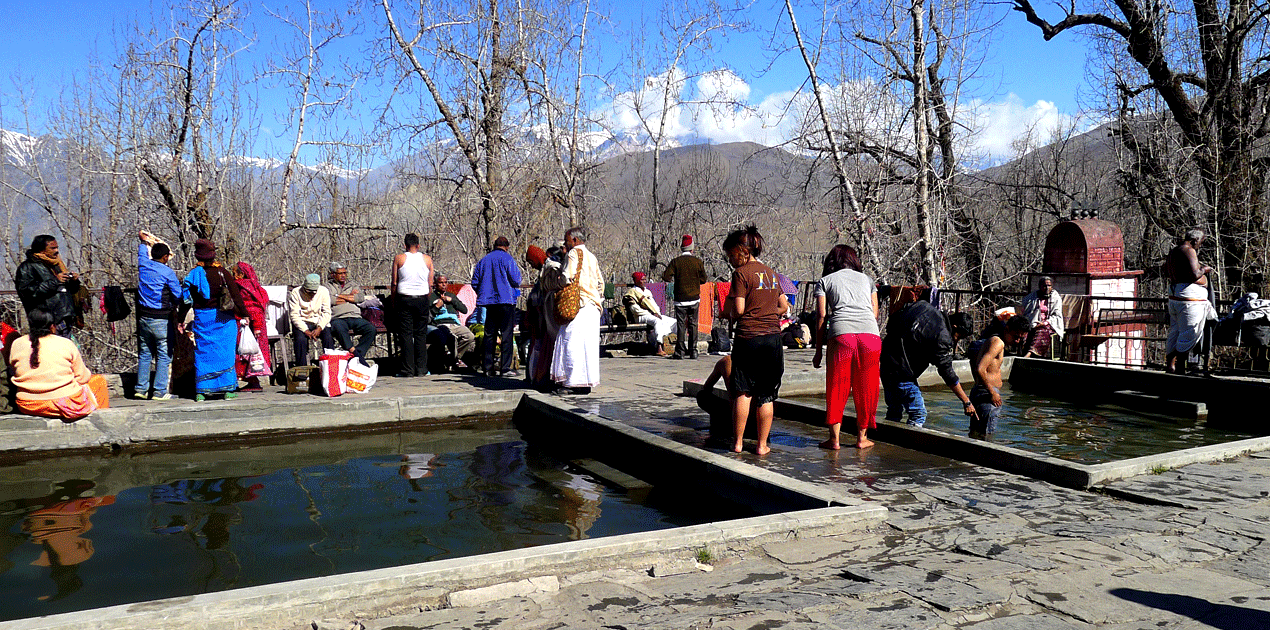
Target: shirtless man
pixel 1189 307
pixel 986 356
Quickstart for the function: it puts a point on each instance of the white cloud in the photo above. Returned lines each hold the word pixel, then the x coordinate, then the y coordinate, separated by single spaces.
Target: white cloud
pixel 1001 123
pixel 720 110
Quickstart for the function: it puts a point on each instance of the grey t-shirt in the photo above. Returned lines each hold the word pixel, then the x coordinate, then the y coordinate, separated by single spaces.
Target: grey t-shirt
pixel 848 295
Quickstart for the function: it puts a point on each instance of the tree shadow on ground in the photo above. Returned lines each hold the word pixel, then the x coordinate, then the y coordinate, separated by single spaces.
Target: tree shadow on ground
pixel 1222 616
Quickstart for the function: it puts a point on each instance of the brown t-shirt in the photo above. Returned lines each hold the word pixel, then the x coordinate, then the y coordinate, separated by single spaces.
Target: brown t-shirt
pixel 757 283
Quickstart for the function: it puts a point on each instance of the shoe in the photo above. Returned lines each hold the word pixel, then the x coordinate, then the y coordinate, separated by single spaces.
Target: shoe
pixel 692 356
pixel 250 389
pixel 677 357
pixel 163 397
pixel 199 398
pixel 403 375
pixel 230 395
pixel 511 374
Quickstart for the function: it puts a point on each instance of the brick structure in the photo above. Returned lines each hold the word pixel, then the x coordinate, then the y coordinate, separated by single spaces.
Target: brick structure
pixel 1086 258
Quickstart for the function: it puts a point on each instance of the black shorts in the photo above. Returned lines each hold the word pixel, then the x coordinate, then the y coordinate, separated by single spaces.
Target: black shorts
pixel 757 367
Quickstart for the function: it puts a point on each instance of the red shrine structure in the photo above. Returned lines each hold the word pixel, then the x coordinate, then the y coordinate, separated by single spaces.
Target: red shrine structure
pixel 1085 257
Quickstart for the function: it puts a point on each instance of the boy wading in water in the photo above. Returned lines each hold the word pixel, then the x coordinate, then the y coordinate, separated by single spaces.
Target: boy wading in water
pixel 986 356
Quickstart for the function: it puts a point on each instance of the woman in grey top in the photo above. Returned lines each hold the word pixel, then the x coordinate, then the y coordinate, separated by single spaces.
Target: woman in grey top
pixel 847 307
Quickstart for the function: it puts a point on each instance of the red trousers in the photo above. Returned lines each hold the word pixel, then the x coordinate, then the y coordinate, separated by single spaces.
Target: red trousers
pixel 853 367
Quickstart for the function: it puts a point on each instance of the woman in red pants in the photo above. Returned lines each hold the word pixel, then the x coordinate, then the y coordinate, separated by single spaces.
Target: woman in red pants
pixel 847 308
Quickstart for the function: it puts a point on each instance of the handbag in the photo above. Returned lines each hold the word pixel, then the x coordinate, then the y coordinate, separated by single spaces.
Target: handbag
pixel 569 299
pixel 226 301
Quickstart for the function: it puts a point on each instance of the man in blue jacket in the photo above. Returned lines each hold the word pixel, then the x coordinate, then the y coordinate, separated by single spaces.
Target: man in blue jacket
pixel 158 292
pixel 496 279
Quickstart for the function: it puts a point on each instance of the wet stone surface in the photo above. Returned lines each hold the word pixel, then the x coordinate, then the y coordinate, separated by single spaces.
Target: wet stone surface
pixel 964 547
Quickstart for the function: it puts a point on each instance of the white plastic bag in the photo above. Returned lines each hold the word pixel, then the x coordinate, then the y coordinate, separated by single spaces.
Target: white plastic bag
pixel 334 371
pixel 247 344
pixel 361 377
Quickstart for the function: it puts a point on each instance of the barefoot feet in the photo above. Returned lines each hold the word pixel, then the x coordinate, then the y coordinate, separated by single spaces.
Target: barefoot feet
pixel 832 444
pixel 864 443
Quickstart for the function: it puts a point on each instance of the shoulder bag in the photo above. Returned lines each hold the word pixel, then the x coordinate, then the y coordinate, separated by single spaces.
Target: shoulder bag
pixel 226 300
pixel 569 299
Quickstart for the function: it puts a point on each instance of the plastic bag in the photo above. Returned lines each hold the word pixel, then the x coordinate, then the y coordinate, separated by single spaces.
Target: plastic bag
pixel 360 377
pixel 247 344
pixel 334 371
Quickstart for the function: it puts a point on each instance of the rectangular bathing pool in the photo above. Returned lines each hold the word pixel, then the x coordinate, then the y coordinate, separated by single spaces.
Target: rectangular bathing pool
pixel 87 532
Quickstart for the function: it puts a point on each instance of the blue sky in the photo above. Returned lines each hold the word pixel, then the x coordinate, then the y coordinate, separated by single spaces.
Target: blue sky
pixel 1024 80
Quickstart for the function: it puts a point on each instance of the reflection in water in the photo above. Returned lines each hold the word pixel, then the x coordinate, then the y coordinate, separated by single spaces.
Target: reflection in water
pixel 309 509
pixel 56 523
pixel 202 514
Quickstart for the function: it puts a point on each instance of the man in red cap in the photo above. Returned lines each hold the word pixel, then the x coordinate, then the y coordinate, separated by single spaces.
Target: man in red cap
pixel 688 274
pixel 642 308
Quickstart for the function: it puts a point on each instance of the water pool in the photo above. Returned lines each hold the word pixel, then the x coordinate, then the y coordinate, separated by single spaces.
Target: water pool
pixel 108 531
pixel 1067 430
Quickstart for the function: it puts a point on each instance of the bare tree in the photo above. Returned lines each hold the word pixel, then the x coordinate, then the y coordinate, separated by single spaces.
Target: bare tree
pixel 1203 64
pixel 182 112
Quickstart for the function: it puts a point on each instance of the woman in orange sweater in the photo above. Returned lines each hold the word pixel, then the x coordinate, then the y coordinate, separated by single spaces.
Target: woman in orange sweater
pixel 50 375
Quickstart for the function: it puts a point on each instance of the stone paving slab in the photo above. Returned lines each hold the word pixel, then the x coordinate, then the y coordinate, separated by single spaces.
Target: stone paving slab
pixel 963 547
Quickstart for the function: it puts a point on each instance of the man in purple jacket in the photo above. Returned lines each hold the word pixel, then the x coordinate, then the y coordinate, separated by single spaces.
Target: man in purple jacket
pixel 496 279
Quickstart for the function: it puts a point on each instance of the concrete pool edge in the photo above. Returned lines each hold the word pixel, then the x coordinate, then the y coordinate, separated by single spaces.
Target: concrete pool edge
pixel 469 580
pixel 661 460
pixel 434 584
pixel 1017 461
pixel 28 435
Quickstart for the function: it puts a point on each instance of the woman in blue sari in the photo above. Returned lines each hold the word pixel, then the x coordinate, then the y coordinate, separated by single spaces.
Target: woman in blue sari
pixel 215 330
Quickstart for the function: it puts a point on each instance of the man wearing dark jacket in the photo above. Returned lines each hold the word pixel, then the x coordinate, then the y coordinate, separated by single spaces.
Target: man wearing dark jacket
pixel 42 281
pixel 688 274
pixel 916 337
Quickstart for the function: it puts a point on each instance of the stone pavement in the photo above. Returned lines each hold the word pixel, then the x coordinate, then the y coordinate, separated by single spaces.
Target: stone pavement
pixel 964 547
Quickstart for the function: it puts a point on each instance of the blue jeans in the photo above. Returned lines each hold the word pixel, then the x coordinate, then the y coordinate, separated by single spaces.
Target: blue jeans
pixel 365 331
pixel 904 396
pixel 152 341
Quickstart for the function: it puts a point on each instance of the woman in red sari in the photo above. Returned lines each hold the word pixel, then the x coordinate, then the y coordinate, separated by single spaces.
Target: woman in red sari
pixel 256 300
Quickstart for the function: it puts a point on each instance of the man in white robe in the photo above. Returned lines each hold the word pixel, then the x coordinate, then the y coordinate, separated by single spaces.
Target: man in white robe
pixel 575 363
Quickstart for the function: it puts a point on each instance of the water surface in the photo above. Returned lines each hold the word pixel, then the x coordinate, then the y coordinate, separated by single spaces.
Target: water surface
pixel 1068 430
pixel 78 533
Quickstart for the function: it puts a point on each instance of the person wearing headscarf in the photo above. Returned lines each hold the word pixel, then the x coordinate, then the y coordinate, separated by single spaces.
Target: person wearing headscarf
pixel 49 373
pixel 43 281
pixel 541 325
pixel 215 328
pixel 256 302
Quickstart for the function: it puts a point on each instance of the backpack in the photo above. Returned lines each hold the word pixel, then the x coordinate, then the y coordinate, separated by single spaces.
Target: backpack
pixel 720 342
pixel 114 303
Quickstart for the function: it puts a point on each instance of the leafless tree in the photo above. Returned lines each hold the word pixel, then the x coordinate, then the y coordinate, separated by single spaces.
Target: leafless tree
pixel 1202 64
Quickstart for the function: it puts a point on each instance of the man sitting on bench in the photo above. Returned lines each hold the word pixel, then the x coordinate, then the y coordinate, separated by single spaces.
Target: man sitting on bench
pixel 642 309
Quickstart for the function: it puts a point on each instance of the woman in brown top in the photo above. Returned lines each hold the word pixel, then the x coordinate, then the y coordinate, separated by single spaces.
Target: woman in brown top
pixel 755 303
